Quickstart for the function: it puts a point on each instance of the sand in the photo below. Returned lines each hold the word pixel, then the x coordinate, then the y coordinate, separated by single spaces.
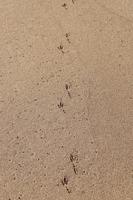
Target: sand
pixel 66 100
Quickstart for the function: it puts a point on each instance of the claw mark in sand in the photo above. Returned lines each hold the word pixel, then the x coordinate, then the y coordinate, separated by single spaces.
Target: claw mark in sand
pixel 68 37
pixel 61 105
pixel 73 159
pixel 61 48
pixel 67 89
pixel 64 5
pixel 64 182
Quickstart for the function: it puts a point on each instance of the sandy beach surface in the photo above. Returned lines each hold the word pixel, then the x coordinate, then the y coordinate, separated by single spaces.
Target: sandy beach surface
pixel 66 100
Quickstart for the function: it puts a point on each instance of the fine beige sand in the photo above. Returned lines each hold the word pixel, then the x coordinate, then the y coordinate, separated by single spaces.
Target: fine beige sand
pixel 66 100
